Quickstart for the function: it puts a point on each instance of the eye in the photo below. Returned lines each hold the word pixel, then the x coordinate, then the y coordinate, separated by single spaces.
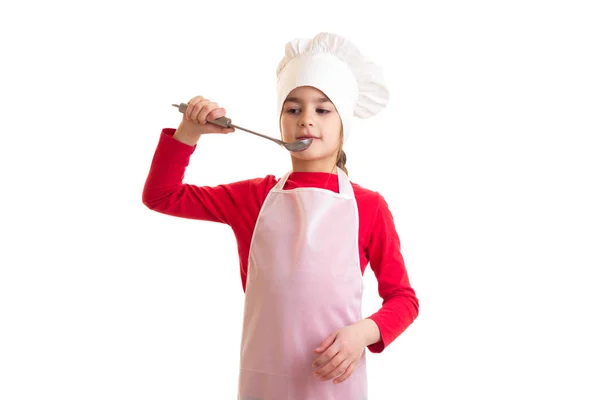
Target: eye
pixel 322 111
pixel 292 110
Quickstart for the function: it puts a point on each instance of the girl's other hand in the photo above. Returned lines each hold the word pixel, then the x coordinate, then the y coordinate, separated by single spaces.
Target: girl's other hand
pixel 340 353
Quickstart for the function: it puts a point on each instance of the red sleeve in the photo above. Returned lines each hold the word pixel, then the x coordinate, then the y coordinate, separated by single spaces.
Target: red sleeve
pixel 400 305
pixel 165 192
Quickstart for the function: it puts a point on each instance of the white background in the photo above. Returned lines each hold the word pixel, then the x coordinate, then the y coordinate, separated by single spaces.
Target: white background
pixel 487 154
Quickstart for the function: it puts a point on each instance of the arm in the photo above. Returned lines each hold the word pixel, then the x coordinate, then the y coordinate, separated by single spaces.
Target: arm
pixel 400 305
pixel 165 192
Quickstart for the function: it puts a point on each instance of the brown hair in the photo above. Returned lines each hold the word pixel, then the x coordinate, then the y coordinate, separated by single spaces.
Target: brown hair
pixel 341 156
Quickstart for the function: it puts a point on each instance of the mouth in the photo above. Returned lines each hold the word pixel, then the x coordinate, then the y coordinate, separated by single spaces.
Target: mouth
pixel 306 137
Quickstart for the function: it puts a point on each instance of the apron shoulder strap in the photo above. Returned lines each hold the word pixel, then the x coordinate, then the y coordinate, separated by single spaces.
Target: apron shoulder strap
pixel 345 186
pixel 281 183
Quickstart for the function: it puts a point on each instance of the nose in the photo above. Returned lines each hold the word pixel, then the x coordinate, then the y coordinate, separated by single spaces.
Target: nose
pixel 306 119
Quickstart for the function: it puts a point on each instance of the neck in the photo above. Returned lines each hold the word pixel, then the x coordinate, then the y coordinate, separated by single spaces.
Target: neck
pixel 327 166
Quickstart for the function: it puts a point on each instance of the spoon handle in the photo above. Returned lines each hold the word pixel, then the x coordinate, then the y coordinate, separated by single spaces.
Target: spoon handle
pixel 223 121
pixel 256 133
pixel 226 123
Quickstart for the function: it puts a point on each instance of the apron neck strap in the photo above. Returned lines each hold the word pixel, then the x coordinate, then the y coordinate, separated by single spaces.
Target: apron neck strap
pixel 345 186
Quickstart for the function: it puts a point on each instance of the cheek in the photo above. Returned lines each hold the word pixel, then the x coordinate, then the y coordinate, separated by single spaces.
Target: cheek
pixel 333 134
pixel 285 128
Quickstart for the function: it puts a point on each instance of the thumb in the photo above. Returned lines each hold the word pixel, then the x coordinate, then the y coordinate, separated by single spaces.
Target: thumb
pixel 225 130
pixel 326 343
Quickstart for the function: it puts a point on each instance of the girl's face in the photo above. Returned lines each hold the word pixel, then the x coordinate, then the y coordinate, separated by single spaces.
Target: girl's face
pixel 307 112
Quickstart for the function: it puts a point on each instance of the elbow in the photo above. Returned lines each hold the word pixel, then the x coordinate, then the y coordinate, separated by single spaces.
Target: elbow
pixel 409 304
pixel 149 199
pixel 412 303
pixel 151 202
pixel 415 307
pixel 148 203
pixel 155 195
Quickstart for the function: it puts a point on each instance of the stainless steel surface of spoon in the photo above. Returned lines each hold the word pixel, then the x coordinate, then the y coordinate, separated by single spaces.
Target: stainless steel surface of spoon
pixel 300 145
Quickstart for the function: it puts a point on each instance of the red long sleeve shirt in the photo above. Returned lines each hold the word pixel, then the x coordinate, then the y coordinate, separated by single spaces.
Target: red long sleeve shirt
pixel 238 204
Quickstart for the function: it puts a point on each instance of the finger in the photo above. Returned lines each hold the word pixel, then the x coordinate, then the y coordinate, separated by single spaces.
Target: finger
pixel 216 113
pixel 198 110
pixel 330 365
pixel 346 374
pixel 335 367
pixel 339 371
pixel 207 109
pixel 326 343
pixel 191 103
pixel 194 110
pixel 196 99
pixel 326 356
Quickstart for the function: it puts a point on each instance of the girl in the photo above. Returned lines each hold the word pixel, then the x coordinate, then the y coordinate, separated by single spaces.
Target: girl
pixel 304 240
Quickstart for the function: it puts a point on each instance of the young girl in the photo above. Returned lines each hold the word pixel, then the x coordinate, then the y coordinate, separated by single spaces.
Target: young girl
pixel 304 240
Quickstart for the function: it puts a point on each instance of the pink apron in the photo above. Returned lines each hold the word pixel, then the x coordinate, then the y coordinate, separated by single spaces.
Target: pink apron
pixel 304 282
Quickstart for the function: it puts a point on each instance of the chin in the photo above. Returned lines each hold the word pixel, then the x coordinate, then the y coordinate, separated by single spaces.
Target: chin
pixel 302 155
pixel 311 154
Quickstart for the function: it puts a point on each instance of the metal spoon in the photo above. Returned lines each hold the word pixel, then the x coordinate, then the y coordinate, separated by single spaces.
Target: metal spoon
pixel 226 123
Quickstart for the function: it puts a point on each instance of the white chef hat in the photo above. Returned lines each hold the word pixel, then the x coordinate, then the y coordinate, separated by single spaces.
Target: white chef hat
pixel 335 66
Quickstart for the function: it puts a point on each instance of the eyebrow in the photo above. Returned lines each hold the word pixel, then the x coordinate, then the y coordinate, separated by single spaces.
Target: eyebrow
pixel 298 100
